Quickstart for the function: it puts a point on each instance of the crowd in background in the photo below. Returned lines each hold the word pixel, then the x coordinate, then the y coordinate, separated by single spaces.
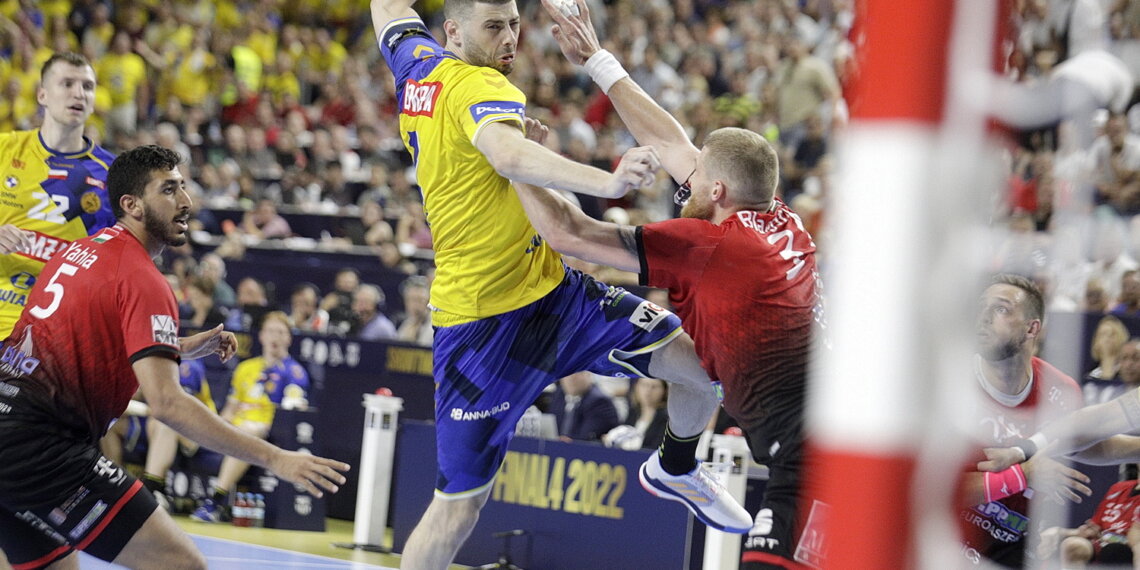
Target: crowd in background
pixel 287 107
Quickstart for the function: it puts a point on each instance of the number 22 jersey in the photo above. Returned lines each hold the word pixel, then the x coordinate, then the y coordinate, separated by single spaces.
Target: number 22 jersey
pixel 60 196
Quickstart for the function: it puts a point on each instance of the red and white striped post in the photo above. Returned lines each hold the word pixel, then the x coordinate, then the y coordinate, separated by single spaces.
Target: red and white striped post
pixel 873 388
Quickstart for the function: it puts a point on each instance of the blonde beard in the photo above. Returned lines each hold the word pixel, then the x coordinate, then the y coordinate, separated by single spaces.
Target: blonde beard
pixel 697 210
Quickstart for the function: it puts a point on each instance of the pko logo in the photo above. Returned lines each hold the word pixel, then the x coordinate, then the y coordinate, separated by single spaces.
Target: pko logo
pixel 459 415
pixel 419 98
pixel 486 109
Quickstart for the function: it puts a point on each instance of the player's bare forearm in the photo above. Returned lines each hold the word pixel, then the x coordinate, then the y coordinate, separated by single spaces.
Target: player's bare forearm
pixel 1089 425
pixel 653 126
pixel 384 11
pixel 568 230
pixel 514 156
pixel 1112 451
pixel 158 377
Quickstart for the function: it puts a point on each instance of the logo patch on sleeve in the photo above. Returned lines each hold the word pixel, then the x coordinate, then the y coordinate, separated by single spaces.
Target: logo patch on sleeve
pixel 481 111
pixel 165 331
pixel 419 98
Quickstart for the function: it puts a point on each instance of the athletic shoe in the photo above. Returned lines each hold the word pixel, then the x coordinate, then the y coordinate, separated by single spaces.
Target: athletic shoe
pixel 700 491
pixel 210 512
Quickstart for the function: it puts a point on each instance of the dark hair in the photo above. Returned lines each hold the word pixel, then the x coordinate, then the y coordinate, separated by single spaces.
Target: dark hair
pixel 131 171
pixel 303 286
pixel 68 57
pixel 1035 301
pixel 459 9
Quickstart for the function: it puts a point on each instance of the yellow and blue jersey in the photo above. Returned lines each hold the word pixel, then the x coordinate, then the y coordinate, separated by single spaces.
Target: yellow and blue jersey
pixel 262 388
pixel 192 376
pixel 61 197
pixel 489 258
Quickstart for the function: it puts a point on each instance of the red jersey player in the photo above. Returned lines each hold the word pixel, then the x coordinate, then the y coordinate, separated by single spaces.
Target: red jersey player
pixel 740 270
pixel 1020 393
pixel 1104 538
pixel 101 324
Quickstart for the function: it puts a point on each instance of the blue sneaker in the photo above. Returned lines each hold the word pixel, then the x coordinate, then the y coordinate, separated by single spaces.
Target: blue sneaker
pixel 209 512
pixel 698 490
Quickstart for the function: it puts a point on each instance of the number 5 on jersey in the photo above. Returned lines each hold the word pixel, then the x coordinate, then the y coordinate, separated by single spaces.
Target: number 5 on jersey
pixel 55 288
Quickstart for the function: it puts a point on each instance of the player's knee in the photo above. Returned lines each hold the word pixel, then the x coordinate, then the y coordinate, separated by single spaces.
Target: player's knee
pixel 1076 549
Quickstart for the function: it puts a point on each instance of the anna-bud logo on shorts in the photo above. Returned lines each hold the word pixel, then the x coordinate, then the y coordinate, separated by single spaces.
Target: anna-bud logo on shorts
pixel 459 415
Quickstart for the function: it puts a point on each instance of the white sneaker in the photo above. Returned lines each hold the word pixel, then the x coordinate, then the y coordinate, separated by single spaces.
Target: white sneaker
pixel 700 491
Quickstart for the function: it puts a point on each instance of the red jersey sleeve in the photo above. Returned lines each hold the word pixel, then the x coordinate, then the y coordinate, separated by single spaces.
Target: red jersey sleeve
pixel 150 315
pixel 674 252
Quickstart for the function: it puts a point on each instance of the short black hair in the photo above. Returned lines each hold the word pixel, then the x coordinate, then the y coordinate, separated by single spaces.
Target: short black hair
pixel 131 172
pixel 68 57
pixel 459 9
pixel 1035 301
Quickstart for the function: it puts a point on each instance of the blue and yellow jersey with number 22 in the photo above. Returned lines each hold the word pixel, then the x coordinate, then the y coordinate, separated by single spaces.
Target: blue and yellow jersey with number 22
pixel 60 197
pixel 488 257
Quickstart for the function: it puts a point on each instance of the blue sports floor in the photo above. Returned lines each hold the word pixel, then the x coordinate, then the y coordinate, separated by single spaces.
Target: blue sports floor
pixel 223 554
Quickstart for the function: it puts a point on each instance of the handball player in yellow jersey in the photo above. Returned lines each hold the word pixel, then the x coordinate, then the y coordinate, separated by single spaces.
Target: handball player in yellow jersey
pixel 510 318
pixel 52 182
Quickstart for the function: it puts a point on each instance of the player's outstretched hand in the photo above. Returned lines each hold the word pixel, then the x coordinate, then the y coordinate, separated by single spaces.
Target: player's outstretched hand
pixel 535 130
pixel 573 31
pixel 214 341
pixel 1055 479
pixel 309 471
pixel 636 170
pixel 13 239
pixel 1000 458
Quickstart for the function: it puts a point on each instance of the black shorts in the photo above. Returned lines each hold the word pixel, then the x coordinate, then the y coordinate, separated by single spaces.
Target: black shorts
pixel 58 494
pixel 777 538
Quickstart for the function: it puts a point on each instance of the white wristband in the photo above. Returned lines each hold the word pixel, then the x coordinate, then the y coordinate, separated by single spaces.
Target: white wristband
pixel 1039 440
pixel 605 70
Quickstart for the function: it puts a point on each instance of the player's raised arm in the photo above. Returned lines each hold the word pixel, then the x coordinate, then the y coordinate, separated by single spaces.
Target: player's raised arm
pixel 384 11
pixel 650 124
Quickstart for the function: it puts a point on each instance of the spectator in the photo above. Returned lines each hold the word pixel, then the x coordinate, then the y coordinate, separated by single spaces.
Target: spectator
pixel 260 385
pixel 252 305
pixel 415 324
pixel 1116 154
pixel 644 428
pixel 201 310
pixel 213 268
pixel 1102 383
pixel 371 323
pixel 123 73
pixel 263 222
pixel 581 411
pixel 1128 305
pixel 807 86
pixel 338 302
pixel 304 313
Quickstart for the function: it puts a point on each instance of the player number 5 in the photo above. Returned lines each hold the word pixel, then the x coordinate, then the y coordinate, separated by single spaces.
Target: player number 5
pixel 56 290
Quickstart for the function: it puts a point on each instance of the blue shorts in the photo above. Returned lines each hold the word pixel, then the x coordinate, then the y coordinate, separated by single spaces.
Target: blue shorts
pixel 488 372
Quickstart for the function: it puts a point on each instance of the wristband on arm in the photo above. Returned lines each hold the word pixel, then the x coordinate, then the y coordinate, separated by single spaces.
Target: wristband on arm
pixel 605 69
pixel 1002 484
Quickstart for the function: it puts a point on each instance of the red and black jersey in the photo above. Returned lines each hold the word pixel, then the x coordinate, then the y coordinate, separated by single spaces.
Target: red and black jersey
pixel 997 530
pixel 98 306
pixel 1117 510
pixel 746 291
